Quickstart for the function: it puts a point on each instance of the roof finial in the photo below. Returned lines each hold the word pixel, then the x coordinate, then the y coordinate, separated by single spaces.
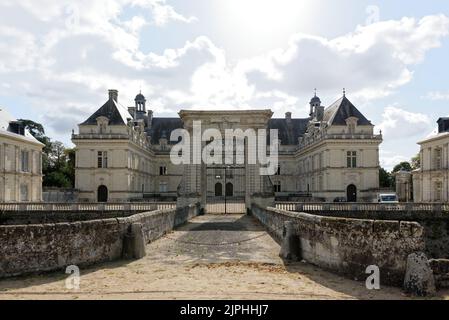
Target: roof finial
pixel 344 92
pixel 315 92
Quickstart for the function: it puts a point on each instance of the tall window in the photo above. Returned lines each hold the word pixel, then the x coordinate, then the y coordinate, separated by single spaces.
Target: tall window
pixel 351 159
pixel 438 191
pixel 163 170
pixel 23 193
pixel 25 161
pixel 438 159
pixel 102 159
pixel 351 127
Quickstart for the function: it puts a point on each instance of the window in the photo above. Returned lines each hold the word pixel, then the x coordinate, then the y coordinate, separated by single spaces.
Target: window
pixel 351 159
pixel 351 127
pixel 23 193
pixel 25 161
pixel 277 186
pixel 102 159
pixel 438 191
pixel 163 170
pixel 163 187
pixel 437 159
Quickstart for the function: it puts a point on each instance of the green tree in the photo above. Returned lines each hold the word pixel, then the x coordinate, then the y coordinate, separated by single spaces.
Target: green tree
pixel 58 163
pixel 385 179
pixel 405 165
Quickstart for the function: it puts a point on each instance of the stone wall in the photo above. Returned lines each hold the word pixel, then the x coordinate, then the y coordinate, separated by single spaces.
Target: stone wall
pixel 45 247
pixel 431 217
pixel 348 246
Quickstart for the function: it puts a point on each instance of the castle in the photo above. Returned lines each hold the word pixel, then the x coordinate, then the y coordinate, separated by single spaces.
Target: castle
pixel 123 154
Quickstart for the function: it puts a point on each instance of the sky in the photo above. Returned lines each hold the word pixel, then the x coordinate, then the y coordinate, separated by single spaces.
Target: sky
pixel 58 58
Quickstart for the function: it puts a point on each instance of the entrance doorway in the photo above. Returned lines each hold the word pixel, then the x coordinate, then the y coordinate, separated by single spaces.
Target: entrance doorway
pixel 351 193
pixel 102 194
pixel 225 189
pixel 229 189
pixel 218 189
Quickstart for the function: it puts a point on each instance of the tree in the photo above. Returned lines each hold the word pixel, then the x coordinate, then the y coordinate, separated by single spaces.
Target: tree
pixel 385 179
pixel 58 163
pixel 402 166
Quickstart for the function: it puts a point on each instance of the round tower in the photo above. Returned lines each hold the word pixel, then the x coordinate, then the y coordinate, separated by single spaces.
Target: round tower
pixel 140 103
pixel 315 104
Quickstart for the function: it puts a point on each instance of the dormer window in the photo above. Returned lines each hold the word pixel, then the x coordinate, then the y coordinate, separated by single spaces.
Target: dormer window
pixel 102 123
pixel 351 122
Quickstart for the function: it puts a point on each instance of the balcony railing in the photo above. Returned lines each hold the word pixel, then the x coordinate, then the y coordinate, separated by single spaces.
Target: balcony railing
pixel 86 207
pixel 356 136
pixel 362 207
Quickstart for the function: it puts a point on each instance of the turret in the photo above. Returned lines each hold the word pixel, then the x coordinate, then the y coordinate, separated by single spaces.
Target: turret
pixel 316 110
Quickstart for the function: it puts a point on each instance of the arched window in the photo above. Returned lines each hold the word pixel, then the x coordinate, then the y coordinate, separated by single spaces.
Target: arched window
pixel 102 194
pixel 229 190
pixel 218 189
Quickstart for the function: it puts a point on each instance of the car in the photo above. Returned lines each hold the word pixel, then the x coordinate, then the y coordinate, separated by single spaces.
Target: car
pixel 387 198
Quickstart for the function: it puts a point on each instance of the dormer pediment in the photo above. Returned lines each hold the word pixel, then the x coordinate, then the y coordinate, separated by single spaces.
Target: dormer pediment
pixel 102 120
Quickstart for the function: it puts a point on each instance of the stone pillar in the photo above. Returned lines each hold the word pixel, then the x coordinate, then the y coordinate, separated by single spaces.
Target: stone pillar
pixel 419 279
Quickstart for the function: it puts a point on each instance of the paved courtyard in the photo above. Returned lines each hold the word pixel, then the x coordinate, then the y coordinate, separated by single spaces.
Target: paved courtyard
pixel 212 257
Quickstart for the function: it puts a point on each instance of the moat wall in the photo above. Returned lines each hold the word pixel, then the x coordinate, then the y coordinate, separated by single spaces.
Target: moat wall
pixel 347 245
pixel 46 247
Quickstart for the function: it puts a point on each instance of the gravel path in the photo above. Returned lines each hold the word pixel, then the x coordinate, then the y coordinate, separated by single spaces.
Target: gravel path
pixel 212 257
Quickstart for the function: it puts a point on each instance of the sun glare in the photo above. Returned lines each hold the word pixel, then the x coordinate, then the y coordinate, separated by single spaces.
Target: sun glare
pixel 262 22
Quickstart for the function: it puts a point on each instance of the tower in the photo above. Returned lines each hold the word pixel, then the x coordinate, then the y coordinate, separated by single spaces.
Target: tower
pixel 316 110
pixel 140 103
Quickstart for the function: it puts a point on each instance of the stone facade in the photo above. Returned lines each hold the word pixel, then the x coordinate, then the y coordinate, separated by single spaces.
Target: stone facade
pixel 332 153
pixel 20 162
pixel 431 181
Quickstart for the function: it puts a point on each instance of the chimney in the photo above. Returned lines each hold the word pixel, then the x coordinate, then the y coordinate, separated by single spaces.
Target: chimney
pixel 443 125
pixel 150 118
pixel 288 115
pixel 113 94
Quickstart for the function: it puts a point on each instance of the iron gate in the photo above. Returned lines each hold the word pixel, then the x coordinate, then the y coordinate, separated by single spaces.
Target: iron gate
pixel 226 189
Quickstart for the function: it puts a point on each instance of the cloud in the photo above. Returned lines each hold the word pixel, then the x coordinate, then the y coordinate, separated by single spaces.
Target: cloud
pixel 398 123
pixel 372 61
pixel 63 59
pixel 163 13
pixel 436 96
pixel 389 160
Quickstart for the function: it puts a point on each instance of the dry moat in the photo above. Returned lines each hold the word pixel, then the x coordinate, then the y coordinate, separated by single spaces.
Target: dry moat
pixel 211 257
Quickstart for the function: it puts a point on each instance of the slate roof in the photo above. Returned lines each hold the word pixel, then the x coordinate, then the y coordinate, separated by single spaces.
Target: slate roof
pixel 164 126
pixel 342 109
pixel 289 130
pixel 116 114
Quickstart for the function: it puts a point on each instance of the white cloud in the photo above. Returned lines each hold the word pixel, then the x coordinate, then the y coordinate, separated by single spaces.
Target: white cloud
pixel 162 14
pixel 398 123
pixel 64 59
pixel 436 95
pixel 389 160
pixel 373 61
